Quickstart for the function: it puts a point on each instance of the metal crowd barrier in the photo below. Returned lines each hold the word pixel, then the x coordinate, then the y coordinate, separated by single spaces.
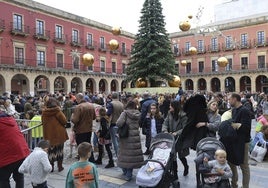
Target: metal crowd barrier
pixel 32 131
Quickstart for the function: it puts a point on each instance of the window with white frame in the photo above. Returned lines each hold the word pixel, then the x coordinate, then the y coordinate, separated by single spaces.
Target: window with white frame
pixel 228 42
pixel 201 66
pixel 261 61
pixel 17 22
pixel 260 35
pixel 187 46
pixel 176 49
pixel 59 60
pixel 89 40
pixel 19 55
pixel 188 67
pixel 75 36
pixel 214 66
pixel 76 60
pixel 102 65
pixel 200 46
pixel 229 66
pixel 41 58
pixel 40 30
pixel 102 43
pixel 244 40
pixel 244 62
pixel 58 32
pixel 214 44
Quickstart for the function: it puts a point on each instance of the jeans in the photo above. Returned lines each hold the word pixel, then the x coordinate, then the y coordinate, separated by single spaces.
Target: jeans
pixel 6 171
pixel 113 132
pixel 127 172
pixel 244 168
pixel 95 140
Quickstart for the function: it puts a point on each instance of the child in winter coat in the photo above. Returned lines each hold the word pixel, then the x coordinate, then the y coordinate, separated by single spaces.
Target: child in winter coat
pixel 104 138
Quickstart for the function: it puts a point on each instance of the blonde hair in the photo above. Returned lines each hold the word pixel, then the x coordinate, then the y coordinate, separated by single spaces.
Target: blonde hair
pixel 209 104
pixel 220 152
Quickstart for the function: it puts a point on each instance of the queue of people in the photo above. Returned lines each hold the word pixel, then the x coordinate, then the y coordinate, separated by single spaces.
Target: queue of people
pixel 185 118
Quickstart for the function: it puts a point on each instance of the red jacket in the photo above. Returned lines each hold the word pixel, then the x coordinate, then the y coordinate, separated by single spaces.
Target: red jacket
pixel 13 146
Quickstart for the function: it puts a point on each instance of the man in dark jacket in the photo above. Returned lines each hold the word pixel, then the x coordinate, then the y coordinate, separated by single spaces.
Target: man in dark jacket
pixel 145 104
pixel 238 154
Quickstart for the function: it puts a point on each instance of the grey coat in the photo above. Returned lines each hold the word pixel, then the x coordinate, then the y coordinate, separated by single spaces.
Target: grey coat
pixel 170 125
pixel 213 124
pixel 130 152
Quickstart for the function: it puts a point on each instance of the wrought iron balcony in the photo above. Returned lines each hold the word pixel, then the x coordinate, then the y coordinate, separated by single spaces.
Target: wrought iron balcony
pixel 115 52
pixel 229 47
pixel 42 35
pixel 77 42
pixel 125 52
pixel 214 48
pixel 201 50
pixel 103 47
pixel 60 38
pixel 19 29
pixel 91 45
pixel 176 52
pixel 2 25
pixel 261 43
pixel 244 44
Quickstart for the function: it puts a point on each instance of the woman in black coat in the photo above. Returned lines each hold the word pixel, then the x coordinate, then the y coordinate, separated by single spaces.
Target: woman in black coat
pixel 174 124
pixel 153 123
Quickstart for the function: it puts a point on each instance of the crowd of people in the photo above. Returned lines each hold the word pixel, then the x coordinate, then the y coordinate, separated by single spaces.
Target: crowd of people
pixel 95 119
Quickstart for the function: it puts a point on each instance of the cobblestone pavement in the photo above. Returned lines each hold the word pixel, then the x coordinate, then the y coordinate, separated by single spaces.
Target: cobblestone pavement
pixel 110 178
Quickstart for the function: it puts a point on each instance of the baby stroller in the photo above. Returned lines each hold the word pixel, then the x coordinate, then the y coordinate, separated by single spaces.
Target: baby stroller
pixel 158 171
pixel 206 148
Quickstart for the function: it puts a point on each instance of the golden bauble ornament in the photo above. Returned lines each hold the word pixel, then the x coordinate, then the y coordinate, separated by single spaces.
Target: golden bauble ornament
pixel 183 63
pixel 113 44
pixel 141 82
pixel 88 59
pixel 190 16
pixel 185 25
pixel 193 50
pixel 222 62
pixel 176 82
pixel 116 30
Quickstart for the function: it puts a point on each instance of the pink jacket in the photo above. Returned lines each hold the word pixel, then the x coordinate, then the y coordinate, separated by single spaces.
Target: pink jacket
pixel 262 120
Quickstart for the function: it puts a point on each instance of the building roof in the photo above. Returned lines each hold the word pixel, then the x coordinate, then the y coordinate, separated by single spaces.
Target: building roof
pixel 65 15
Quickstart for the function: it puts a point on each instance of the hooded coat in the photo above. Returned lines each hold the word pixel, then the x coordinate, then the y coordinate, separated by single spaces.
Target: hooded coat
pixel 130 152
pixel 13 146
pixel 195 109
pixel 54 122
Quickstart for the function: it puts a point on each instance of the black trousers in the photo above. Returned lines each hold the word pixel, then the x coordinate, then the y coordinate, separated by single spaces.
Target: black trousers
pixel 42 185
pixel 84 137
pixel 6 171
pixel 108 149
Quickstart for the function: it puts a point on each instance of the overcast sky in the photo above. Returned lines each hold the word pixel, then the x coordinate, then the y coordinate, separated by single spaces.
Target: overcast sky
pixel 126 13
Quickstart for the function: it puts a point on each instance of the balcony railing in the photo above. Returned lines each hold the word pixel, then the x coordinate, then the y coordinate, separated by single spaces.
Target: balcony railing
pixel 42 35
pixel 177 52
pixel 92 45
pixel 261 43
pixel 201 50
pixel 2 25
pixel 245 44
pixel 234 69
pixel 19 29
pixel 52 66
pixel 228 47
pixel 60 38
pixel 214 48
pixel 125 52
pixel 103 47
pixel 77 43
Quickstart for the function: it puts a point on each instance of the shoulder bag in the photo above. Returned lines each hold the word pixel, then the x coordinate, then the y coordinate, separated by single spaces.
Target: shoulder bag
pixel 123 131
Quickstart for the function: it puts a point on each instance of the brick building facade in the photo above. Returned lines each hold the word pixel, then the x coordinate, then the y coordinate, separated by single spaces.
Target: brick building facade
pixel 244 43
pixel 41 51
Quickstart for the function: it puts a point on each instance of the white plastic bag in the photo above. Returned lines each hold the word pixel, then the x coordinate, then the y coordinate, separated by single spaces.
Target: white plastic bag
pixel 258 152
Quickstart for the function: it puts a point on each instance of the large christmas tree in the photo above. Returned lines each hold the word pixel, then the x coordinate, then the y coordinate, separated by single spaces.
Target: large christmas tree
pixel 151 57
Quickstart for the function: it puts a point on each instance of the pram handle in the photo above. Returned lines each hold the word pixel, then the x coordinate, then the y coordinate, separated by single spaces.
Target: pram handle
pixel 152 160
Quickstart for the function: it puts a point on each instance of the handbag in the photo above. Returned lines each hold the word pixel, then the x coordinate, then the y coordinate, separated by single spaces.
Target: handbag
pixel 123 131
pixel 258 152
